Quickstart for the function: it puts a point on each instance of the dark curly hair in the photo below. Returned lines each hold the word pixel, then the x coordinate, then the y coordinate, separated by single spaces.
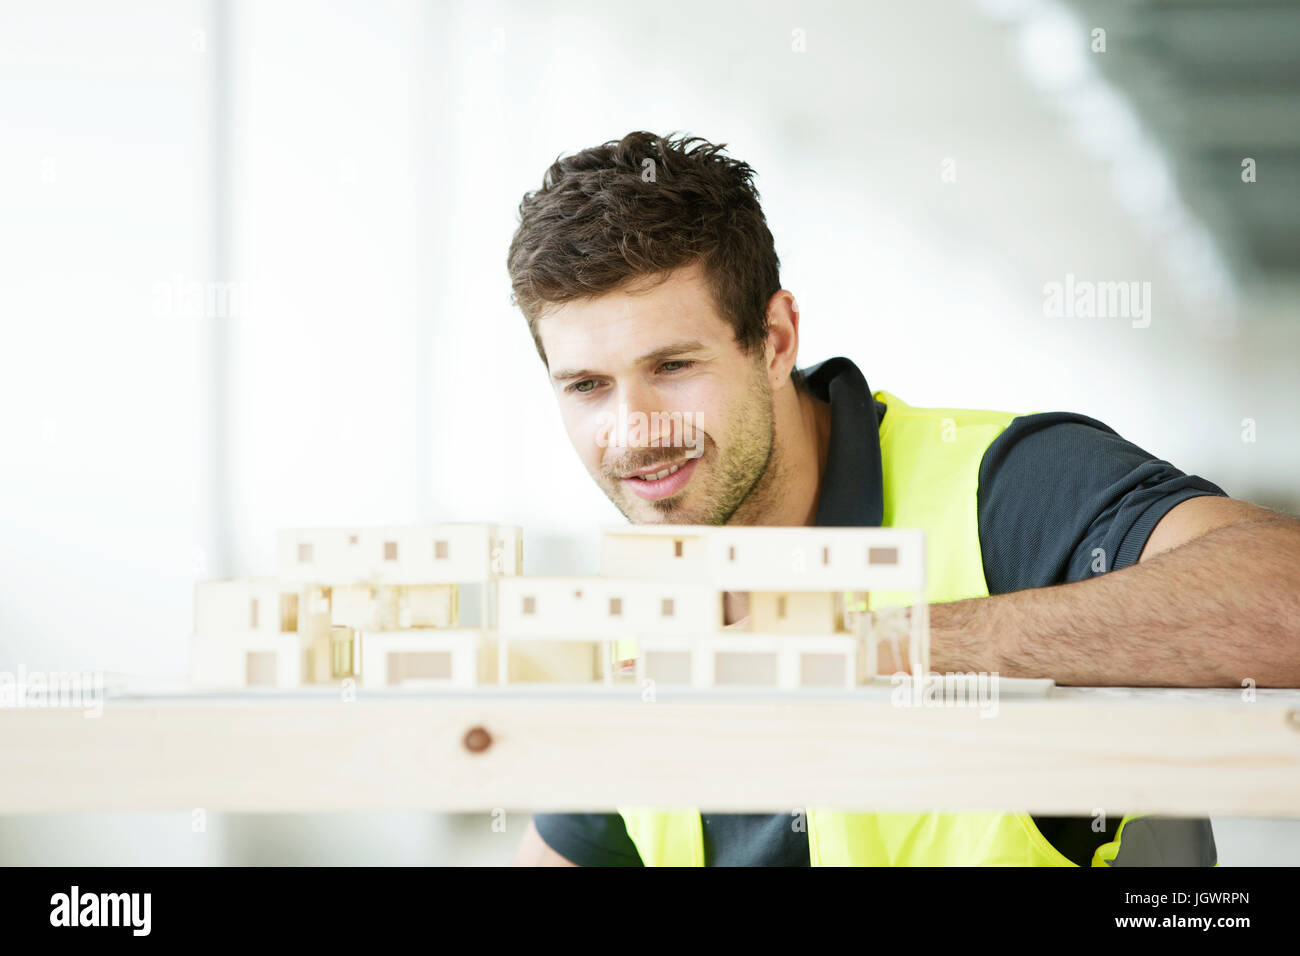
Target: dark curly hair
pixel 636 209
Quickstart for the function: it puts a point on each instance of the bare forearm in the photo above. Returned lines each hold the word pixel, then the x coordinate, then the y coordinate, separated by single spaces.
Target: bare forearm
pixel 1213 612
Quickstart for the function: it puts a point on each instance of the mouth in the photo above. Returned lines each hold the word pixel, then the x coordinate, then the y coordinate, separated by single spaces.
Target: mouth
pixel 662 482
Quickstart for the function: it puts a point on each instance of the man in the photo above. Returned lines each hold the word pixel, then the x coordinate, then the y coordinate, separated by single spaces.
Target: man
pixel 650 282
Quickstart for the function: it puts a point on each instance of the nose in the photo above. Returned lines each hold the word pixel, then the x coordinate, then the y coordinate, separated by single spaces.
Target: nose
pixel 639 420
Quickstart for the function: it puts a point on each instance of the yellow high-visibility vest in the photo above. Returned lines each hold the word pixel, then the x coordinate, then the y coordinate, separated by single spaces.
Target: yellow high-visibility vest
pixel 931 461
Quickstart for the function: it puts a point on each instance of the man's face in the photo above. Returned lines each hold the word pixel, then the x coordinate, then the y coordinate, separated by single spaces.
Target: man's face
pixel 655 381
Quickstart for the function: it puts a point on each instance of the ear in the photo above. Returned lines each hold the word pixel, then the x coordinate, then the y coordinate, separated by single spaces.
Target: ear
pixel 782 348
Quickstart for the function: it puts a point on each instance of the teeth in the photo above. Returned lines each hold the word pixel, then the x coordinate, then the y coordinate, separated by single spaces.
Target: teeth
pixel 660 474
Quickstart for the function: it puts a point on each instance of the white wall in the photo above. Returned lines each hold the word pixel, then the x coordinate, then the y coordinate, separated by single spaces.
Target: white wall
pixel 102 179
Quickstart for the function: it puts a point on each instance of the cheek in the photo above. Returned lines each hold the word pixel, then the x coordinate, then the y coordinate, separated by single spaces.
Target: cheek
pixel 713 416
pixel 700 400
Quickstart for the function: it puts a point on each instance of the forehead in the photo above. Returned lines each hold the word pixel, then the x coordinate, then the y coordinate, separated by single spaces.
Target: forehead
pixel 633 321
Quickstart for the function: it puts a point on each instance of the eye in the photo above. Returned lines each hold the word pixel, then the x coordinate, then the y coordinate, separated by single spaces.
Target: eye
pixel 680 363
pixel 583 387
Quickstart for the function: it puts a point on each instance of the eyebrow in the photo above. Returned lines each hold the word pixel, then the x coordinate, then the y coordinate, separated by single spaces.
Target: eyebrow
pixel 658 355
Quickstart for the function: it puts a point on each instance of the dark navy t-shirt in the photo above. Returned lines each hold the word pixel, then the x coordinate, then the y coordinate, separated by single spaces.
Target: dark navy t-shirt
pixel 1060 494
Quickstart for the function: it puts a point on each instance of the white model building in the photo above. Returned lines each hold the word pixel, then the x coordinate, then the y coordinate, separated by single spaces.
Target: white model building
pixel 659 603
pixel 804 582
pixel 388 606
pixel 245 635
pixel 574 623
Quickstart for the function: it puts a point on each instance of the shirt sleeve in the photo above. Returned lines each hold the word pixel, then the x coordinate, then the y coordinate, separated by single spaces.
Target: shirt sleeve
pixel 588 839
pixel 1063 497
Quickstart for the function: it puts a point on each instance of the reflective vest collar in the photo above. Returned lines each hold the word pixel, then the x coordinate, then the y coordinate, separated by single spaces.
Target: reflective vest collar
pixel 852 492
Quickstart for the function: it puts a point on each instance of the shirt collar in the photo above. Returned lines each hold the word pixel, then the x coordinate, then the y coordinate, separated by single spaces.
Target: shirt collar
pixel 852 489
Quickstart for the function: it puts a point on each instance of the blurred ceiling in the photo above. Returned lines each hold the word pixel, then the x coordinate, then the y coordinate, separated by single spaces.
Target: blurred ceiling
pixel 1216 82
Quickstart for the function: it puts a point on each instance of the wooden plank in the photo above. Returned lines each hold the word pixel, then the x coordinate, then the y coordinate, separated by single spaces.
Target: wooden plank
pixel 1178 752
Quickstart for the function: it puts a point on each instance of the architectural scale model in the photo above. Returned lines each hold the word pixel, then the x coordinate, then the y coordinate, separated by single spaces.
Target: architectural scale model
pixel 447 606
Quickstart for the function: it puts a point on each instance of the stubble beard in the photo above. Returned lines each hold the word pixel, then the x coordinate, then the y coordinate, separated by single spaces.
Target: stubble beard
pixel 747 482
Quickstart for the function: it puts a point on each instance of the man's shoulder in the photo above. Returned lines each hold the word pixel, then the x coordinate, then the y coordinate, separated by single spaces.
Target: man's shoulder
pixel 1063 496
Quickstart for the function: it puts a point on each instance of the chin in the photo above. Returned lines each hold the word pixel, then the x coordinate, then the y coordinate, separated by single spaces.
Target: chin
pixel 642 512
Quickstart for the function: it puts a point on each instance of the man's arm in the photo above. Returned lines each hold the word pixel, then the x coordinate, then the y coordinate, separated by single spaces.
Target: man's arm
pixel 1213 600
